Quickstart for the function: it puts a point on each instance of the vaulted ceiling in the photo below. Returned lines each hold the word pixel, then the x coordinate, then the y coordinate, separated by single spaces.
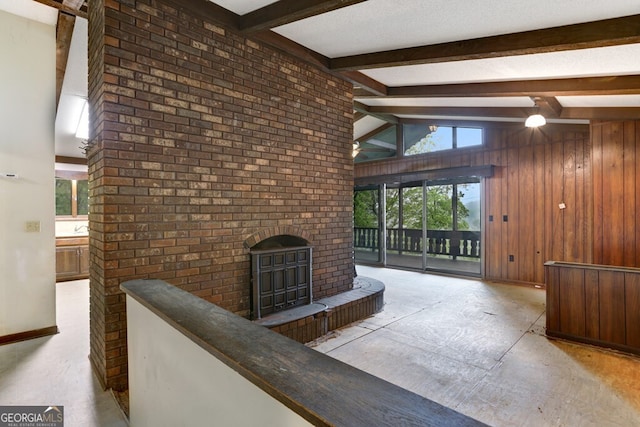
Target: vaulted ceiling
pixel 447 59
pixel 454 59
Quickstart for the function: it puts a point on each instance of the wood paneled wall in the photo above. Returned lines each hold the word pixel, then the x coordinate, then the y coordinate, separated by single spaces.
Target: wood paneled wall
pixel 535 171
pixel 616 181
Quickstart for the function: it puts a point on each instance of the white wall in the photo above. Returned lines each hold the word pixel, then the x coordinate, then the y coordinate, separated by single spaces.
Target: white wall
pixel 27 115
pixel 174 382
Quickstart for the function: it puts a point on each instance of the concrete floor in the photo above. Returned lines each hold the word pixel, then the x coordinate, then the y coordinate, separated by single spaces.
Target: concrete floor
pixel 476 347
pixel 55 370
pixel 480 348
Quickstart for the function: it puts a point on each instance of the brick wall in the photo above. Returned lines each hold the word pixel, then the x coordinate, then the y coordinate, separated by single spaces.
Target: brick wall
pixel 204 141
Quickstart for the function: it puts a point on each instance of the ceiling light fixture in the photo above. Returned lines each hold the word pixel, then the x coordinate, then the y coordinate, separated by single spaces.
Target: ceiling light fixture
pixel 536 119
pixel 356 149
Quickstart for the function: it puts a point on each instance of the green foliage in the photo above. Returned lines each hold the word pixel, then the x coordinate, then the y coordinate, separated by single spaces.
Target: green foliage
pixel 440 200
pixel 412 208
pixel 424 145
pixel 63 197
pixel 83 197
pixel 439 208
pixel 392 207
pixel 365 209
pixel 463 213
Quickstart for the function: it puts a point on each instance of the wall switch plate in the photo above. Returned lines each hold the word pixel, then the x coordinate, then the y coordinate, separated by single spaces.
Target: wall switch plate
pixel 32 226
pixel 562 206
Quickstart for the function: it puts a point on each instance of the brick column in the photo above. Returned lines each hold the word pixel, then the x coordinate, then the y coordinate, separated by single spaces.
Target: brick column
pixel 201 139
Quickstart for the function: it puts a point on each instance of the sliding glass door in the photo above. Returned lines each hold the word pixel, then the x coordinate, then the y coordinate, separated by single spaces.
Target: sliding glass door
pixel 453 227
pixel 423 225
pixel 367 225
pixel 404 226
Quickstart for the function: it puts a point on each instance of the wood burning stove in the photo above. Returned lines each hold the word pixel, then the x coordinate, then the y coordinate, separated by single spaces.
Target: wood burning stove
pixel 280 278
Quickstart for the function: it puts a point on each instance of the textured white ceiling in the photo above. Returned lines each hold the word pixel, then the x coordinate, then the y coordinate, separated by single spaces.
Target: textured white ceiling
pixel 242 7
pixel 377 25
pixel 75 78
pixel 600 101
pixel 365 125
pixel 616 60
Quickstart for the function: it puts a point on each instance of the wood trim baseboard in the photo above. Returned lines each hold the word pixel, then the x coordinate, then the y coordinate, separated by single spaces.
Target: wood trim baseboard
pixel 606 345
pixel 27 335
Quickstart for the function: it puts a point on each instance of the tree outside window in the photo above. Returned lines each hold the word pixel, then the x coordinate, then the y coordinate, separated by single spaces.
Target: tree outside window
pixel 72 197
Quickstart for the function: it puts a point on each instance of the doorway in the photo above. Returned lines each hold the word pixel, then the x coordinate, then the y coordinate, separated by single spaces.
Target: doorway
pixel 426 225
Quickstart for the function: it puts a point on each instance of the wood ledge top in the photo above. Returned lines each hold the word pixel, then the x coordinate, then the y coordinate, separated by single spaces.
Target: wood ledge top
pixel 618 268
pixel 323 390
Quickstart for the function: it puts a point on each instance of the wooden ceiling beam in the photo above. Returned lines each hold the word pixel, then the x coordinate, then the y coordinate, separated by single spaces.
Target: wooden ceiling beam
pixel 208 11
pixel 374 132
pixel 365 83
pixel 286 11
pixel 508 112
pixel 365 109
pixel 582 86
pixel 71 160
pixel 292 48
pixel 291 9
pixel 218 15
pixel 72 10
pixel 64 33
pixel 549 106
pixel 601 113
pixel 608 32
pixel 582 113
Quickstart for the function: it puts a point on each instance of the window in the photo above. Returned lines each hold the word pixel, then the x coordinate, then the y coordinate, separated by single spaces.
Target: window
pixel 83 197
pixel 72 197
pixel 426 138
pixel 380 144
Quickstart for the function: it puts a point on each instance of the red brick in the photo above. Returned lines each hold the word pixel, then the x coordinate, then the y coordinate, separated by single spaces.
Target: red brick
pixel 194 166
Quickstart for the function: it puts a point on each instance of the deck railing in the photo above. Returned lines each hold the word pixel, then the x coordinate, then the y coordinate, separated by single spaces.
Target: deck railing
pixel 439 242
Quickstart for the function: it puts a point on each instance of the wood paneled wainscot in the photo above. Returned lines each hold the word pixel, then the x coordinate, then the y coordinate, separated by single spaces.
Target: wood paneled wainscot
pixel 594 304
pixel 72 258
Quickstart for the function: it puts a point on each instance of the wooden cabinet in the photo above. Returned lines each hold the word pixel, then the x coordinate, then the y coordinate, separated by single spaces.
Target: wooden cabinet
pixel 72 259
pixel 595 304
pixel 84 260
